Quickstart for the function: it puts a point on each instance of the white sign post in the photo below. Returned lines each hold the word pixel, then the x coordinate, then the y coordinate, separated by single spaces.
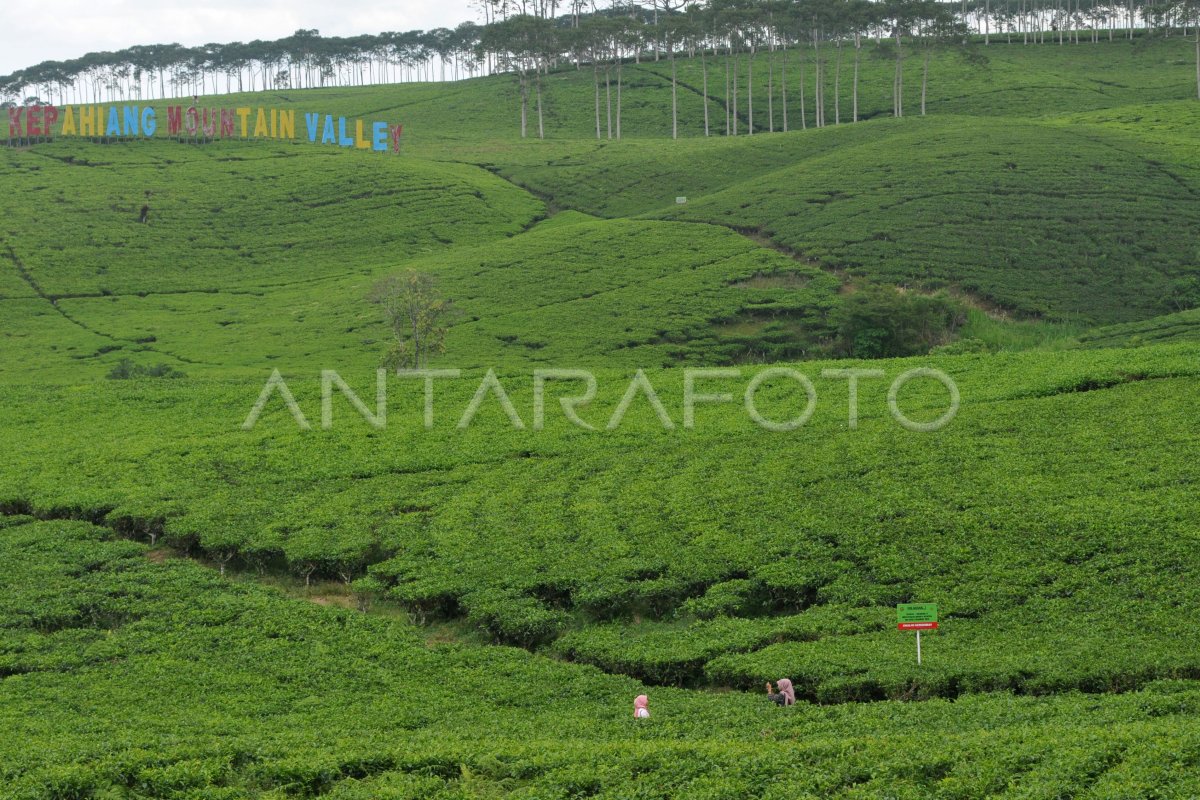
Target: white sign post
pixel 917 617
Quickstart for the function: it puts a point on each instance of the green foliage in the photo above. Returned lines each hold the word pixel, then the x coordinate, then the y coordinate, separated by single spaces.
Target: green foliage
pixel 126 369
pixel 1185 292
pixel 162 680
pixel 709 542
pixel 416 315
pixel 961 347
pixel 1001 213
pixel 880 322
pixel 1000 332
pixel 1052 521
pixel 233 256
pixel 1181 327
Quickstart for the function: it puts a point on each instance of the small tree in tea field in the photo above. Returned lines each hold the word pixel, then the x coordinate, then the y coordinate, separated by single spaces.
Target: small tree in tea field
pixel 416 315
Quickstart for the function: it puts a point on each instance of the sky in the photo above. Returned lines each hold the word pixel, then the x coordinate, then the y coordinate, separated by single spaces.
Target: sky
pixel 60 29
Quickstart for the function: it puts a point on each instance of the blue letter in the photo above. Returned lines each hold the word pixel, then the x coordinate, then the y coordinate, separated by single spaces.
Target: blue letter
pixel 379 137
pixel 343 139
pixel 131 120
pixel 149 126
pixel 114 123
pixel 327 136
pixel 311 121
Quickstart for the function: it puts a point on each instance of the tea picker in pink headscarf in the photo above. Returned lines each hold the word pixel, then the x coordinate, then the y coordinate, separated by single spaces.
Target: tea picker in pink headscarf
pixel 641 707
pixel 786 696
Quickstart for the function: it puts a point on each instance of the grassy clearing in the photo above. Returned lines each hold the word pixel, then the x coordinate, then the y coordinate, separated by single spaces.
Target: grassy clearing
pixel 1006 334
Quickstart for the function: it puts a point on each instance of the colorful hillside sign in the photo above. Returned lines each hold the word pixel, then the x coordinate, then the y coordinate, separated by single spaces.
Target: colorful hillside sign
pixel 37 123
pixel 917 617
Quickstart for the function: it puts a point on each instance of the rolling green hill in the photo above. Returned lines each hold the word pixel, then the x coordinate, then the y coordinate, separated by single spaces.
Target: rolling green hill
pixel 1099 236
pixel 485 600
pixel 1182 326
pixel 230 240
pixel 195 687
pixel 1083 221
pixel 533 535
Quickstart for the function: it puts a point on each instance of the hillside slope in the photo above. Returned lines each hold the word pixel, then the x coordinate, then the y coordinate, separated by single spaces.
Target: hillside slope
pixel 195 687
pixel 1062 221
pixel 512 579
pixel 1061 491
pixel 248 238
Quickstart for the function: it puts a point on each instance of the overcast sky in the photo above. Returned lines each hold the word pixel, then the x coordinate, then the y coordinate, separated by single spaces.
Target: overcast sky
pixel 62 29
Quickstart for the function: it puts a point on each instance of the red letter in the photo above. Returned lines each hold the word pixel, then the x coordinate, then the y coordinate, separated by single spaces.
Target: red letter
pixel 14 122
pixel 174 119
pixel 51 117
pixel 33 121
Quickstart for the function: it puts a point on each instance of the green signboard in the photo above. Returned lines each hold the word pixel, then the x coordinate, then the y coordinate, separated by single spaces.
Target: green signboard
pixel 916 616
pixel 916 612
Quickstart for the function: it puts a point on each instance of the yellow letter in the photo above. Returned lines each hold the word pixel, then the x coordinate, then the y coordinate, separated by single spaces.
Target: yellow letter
pixel 359 141
pixel 260 124
pixel 68 126
pixel 287 124
pixel 244 113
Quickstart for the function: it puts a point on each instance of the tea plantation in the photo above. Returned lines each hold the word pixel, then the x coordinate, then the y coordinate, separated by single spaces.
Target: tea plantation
pixel 199 603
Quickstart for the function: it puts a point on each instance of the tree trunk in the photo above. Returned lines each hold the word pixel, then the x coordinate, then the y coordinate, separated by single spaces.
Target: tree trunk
pixel 857 51
pixel 924 80
pixel 524 105
pixel 750 92
pixel 771 92
pixel 596 83
pixel 783 87
pixel 656 29
pixel 541 128
pixel 735 106
pixel 837 84
pixel 727 91
pixel 1198 59
pixel 818 93
pixel 618 99
pixel 803 113
pixel 416 339
pixel 608 101
pixel 674 102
